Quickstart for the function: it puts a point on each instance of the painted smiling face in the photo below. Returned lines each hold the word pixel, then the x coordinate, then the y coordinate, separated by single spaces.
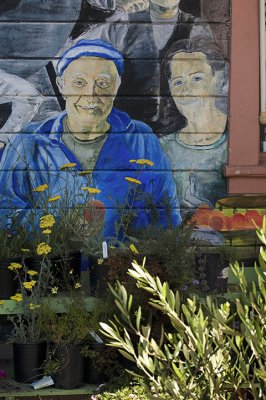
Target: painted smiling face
pixel 89 85
pixel 192 80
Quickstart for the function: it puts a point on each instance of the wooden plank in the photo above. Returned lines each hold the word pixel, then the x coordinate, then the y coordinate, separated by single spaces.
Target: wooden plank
pixel 12 307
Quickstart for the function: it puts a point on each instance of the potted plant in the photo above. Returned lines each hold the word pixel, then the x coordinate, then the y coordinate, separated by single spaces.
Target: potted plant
pixel 69 229
pixel 66 333
pixel 29 345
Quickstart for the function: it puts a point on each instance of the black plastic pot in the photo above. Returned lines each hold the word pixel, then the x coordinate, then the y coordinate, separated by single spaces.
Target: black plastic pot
pixel 91 374
pixel 98 283
pixel 28 359
pixel 71 374
pixel 8 281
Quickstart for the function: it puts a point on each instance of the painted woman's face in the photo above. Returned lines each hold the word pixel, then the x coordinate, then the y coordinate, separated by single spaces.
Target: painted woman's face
pixel 192 80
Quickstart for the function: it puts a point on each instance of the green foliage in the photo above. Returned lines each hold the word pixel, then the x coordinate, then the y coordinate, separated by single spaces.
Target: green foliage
pixel 207 348
pixel 12 239
pixel 70 327
pixel 33 286
pixel 173 249
pixel 123 387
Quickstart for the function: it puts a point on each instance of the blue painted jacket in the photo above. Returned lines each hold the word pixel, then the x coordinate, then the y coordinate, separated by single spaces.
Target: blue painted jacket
pixel 34 157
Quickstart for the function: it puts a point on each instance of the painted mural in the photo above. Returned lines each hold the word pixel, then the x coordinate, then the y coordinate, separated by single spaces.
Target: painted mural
pixel 96 92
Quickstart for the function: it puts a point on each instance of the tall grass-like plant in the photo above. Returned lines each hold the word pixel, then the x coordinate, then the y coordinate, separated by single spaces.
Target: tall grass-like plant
pixel 210 349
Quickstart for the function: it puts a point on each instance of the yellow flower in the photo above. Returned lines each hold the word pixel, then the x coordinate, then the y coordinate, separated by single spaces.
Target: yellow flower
pixel 85 172
pixel 55 198
pixel 43 248
pixel 133 180
pixel 17 297
pixel 54 290
pixel 100 261
pixel 47 231
pixel 133 249
pixel 14 266
pixel 34 306
pixel 68 165
pixel 144 161
pixel 25 250
pixel 41 188
pixel 77 285
pixel 111 246
pixel 31 272
pixel 91 190
pixel 29 285
pixel 132 161
pixel 2 302
pixel 47 221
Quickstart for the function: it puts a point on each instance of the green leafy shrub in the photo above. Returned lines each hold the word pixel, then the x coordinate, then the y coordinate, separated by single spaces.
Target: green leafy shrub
pixel 208 350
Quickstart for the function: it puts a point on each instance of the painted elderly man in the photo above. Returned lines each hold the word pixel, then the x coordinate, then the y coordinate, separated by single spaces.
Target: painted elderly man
pixel 89 135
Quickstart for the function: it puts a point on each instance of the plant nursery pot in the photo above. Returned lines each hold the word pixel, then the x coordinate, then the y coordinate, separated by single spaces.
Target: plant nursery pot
pixel 216 270
pixel 28 358
pixel 71 375
pixel 91 373
pixel 98 283
pixel 8 281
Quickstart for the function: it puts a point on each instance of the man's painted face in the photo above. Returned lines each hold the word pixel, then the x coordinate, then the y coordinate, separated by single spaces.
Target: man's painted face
pixel 191 80
pixel 166 3
pixel 89 85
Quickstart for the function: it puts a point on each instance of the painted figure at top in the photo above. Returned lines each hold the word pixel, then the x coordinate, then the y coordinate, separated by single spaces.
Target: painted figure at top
pixel 150 34
pixel 198 80
pixel 90 135
pixel 143 37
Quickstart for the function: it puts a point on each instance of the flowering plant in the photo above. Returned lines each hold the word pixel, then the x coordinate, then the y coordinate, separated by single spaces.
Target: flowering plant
pixel 77 220
pixel 33 285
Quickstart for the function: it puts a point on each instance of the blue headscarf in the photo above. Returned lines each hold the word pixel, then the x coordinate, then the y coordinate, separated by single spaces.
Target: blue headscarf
pixel 93 48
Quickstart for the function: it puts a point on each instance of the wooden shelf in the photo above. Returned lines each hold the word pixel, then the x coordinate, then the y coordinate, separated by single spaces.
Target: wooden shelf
pixel 12 390
pixel 14 307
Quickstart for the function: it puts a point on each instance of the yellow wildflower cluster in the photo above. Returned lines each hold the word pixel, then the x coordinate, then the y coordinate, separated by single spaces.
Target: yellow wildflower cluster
pixel 54 290
pixel 31 272
pixel 133 180
pixel 2 302
pixel 17 297
pixel 100 261
pixel 14 266
pixel 29 284
pixel 43 248
pixel 142 161
pixel 47 221
pixel 33 306
pixel 133 249
pixel 91 190
pixel 41 188
pixel 68 165
pixel 47 231
pixel 55 198
pixel 77 285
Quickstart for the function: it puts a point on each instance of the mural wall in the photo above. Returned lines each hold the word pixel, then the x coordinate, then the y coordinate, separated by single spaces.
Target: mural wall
pixel 103 96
